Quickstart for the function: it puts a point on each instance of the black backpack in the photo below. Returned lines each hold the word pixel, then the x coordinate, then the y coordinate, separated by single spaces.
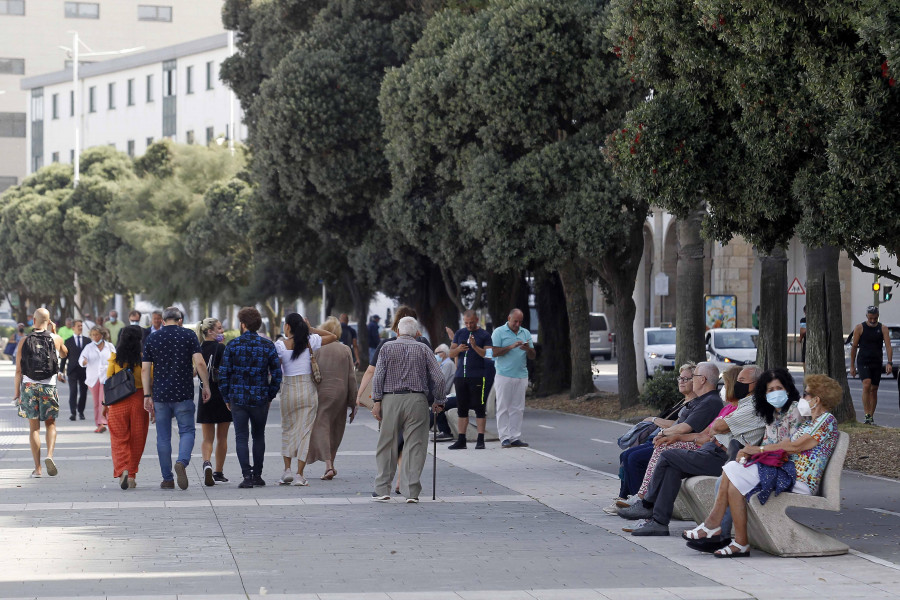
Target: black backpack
pixel 39 358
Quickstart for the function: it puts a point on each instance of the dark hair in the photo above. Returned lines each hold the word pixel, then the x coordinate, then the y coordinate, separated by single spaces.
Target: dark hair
pixel 300 332
pixel 763 408
pixel 128 352
pixel 403 311
pixel 251 318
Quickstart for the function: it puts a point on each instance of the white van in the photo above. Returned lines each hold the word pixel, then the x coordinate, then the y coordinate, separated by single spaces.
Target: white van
pixel 601 336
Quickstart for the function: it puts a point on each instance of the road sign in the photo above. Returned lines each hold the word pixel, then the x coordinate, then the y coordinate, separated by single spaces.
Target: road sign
pixel 796 289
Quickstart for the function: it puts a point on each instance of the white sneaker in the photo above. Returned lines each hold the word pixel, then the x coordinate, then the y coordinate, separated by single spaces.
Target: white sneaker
pixel 300 480
pixel 286 477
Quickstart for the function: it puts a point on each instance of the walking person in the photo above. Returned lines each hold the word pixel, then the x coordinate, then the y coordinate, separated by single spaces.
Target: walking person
pixel 349 338
pixel 167 372
pixel 213 416
pixel 114 326
pixel 66 331
pixel 35 396
pixel 336 393
pixel 128 421
pixel 405 375
pixel 249 379
pixel 299 398
pixel 469 347
pixel 372 329
pixel 71 371
pixel 869 338
pixel 511 348
pixel 95 359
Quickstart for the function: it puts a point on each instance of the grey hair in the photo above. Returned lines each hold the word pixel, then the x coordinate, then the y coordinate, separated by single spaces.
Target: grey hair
pixel 708 370
pixel 755 370
pixel 407 326
pixel 172 313
pixel 157 312
pixel 443 348
pixel 688 366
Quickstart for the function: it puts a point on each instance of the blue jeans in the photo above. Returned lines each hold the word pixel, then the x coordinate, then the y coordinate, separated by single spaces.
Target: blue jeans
pixel 244 418
pixel 183 413
pixel 632 466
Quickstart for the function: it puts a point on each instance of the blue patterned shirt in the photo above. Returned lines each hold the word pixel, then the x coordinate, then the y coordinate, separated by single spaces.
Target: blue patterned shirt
pixel 250 373
pixel 171 350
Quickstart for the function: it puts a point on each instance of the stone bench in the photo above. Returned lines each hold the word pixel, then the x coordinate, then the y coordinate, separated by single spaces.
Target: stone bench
pixel 769 528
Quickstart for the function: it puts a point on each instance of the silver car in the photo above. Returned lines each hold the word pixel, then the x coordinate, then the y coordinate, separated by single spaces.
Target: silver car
pixel 601 336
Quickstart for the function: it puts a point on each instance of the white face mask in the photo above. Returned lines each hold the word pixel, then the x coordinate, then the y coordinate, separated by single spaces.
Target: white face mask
pixel 804 407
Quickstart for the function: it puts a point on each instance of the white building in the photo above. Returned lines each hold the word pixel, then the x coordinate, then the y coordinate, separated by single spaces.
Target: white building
pixel 32 32
pixel 131 101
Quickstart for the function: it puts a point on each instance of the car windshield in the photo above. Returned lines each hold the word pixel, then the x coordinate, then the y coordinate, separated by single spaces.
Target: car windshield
pixel 895 334
pixel 735 339
pixel 658 338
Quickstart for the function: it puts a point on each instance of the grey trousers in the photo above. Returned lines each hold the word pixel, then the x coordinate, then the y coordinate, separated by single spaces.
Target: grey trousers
pixel 409 413
pixel 672 467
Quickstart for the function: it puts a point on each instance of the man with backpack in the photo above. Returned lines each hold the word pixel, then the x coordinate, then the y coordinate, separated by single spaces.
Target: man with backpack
pixel 37 363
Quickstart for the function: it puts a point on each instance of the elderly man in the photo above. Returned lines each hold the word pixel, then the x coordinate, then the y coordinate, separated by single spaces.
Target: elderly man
pixel 114 326
pixel 469 347
pixel 448 368
pixel 405 373
pixel 511 347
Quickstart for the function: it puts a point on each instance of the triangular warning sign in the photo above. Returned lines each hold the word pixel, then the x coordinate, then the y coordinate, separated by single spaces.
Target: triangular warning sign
pixel 796 289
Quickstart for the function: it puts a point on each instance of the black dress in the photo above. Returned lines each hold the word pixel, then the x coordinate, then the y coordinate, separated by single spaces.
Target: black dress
pixel 215 410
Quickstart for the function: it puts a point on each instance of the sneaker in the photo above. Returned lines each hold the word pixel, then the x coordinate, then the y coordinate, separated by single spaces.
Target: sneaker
pixel 412 500
pixel 246 483
pixel 81 416
pixel 219 477
pixel 443 437
pixel 286 477
pixel 52 471
pixel 123 480
pixel 167 484
pixel 505 444
pixel 378 498
pixel 638 511
pixel 518 444
pixel 651 527
pixel 208 474
pixel 631 501
pixel 258 481
pixel 300 480
pixel 181 475
pixel 479 445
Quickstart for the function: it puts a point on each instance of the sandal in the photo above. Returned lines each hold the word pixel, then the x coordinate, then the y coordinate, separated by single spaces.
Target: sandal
pixel 694 534
pixel 733 550
pixel 329 477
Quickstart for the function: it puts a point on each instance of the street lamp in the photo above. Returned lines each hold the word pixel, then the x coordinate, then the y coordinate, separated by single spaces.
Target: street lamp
pixel 73 53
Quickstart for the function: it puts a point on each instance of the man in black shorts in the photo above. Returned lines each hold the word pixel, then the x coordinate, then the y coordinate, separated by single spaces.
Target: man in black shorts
pixel 469 347
pixel 870 337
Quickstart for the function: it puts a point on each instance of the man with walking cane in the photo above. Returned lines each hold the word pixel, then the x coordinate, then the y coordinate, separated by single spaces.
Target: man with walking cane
pixel 405 373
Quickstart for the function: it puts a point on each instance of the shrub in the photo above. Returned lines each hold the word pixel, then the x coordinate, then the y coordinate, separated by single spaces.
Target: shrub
pixel 662 391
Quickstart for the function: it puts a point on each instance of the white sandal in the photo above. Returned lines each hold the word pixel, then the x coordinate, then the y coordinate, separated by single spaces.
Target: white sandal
pixel 730 552
pixel 694 534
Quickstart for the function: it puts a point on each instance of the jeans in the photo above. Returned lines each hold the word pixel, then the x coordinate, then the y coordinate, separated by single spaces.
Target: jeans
pixel 244 418
pixel 632 466
pixel 183 413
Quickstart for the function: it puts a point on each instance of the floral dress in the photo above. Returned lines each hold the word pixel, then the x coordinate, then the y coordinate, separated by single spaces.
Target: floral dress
pixel 810 464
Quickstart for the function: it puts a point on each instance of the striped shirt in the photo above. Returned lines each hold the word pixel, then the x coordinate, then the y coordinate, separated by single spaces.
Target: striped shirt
pixel 743 422
pixel 407 366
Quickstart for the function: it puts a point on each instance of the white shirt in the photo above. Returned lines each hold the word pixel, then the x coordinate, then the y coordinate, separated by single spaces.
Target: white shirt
pixel 301 366
pixel 96 362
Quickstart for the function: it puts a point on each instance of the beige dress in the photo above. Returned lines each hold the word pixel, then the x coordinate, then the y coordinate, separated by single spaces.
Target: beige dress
pixel 337 393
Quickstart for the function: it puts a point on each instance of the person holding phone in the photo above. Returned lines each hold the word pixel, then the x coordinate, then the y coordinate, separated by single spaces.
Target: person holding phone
pixel 512 348
pixel 470 347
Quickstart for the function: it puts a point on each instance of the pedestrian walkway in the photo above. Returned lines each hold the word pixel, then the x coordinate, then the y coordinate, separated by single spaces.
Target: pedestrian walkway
pixel 506 525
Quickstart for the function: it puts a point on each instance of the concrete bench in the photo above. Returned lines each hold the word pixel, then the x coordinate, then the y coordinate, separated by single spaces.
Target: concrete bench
pixel 769 528
pixel 490 429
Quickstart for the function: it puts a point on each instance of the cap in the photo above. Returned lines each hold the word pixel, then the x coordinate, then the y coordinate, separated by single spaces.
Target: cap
pixel 376 318
pixel 872 310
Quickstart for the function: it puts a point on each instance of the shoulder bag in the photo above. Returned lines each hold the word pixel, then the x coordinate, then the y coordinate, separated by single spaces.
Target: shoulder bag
pixel 118 387
pixel 314 364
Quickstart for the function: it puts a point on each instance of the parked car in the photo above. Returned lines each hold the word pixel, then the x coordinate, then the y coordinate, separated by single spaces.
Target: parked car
pixel 601 336
pixel 728 347
pixel 659 349
pixel 894 330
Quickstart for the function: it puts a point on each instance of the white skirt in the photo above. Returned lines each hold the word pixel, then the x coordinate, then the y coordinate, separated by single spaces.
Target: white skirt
pixel 747 478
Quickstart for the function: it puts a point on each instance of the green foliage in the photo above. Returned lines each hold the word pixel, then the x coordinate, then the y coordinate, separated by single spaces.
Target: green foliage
pixel 662 391
pixel 157 161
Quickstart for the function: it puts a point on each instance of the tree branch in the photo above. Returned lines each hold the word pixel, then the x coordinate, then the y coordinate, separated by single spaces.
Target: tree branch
pixel 452 290
pixel 867 269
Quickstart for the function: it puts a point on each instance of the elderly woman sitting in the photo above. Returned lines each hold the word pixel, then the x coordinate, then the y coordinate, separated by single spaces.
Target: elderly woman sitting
pixel 808 450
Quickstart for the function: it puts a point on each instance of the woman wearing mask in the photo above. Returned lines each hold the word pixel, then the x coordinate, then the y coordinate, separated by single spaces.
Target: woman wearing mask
pixel 95 360
pixel 128 421
pixel 213 415
pixel 299 398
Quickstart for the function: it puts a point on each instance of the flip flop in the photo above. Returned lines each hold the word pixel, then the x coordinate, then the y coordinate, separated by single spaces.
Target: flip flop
pixel 52 471
pixel 35 475
pixel 332 476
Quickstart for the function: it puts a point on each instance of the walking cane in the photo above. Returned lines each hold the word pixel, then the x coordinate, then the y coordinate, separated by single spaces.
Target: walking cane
pixel 434 467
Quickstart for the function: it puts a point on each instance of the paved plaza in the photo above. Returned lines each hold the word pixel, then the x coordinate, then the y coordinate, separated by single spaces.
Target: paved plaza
pixel 507 524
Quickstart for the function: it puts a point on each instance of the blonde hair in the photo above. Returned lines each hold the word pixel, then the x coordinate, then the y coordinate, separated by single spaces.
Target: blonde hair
pixel 205 326
pixel 332 325
pixel 730 377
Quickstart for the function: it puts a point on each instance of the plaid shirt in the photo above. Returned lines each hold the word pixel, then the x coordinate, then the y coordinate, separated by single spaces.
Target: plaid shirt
pixel 250 373
pixel 406 366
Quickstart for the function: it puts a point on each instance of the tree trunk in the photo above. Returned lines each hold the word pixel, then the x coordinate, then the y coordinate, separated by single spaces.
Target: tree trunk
pixel 273 328
pixel 824 327
pixel 689 314
pixel 435 307
pixel 360 300
pixel 773 311
pixel 574 277
pixel 553 364
pixel 506 291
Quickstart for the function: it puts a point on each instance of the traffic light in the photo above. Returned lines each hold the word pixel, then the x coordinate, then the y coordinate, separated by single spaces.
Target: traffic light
pixel 887 291
pixel 876 286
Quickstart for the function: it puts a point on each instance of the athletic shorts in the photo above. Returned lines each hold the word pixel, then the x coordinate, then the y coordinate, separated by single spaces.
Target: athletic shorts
pixel 870 371
pixel 38 401
pixel 471 394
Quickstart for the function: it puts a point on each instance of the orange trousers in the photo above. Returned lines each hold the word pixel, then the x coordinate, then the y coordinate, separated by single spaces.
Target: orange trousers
pixel 128 426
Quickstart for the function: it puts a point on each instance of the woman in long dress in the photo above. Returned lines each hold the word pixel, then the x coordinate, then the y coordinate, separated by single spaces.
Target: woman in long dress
pixel 337 393
pixel 299 399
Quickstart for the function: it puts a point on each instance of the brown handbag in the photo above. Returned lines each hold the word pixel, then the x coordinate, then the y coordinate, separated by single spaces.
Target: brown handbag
pixel 316 373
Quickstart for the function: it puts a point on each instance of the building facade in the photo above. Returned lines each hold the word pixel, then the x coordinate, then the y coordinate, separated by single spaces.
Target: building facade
pixel 32 33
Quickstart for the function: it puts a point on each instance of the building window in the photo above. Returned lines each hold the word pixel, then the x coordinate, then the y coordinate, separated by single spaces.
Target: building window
pixel 169 78
pixel 147 12
pixel 149 88
pixel 92 99
pixel 189 80
pixel 189 137
pixel 37 128
pixel 209 75
pixel 71 103
pixel 131 148
pixel 12 7
pixel 71 156
pixel 169 98
pixel 55 157
pixel 12 125
pixel 54 101
pixel 209 135
pixel 131 92
pixel 111 92
pixel 82 10
pixel 7 182
pixel 12 66
pixel 149 141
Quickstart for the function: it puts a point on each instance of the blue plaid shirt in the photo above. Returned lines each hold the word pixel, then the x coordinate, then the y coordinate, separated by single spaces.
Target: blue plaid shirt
pixel 250 373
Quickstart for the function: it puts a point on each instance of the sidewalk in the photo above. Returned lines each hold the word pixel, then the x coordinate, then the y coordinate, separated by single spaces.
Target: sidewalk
pixel 507 524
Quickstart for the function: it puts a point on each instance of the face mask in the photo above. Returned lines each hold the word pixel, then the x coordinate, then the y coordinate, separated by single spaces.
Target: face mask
pixel 220 338
pixel 135 322
pixel 741 389
pixel 113 319
pixel 98 343
pixel 804 408
pixel 778 398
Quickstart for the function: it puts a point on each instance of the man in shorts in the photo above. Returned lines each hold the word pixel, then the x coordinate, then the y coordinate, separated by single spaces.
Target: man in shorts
pixel 470 346
pixel 37 364
pixel 870 338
